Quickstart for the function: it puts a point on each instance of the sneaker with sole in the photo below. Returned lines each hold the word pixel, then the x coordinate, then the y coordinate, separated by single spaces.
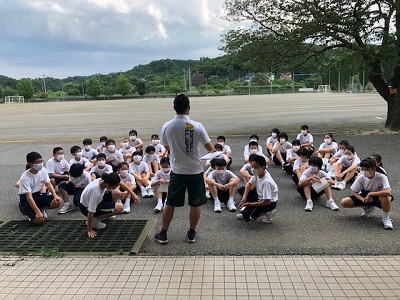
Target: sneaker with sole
pixel 161 237
pixel 387 223
pixel 309 206
pixel 65 208
pixel 269 216
pixel 217 207
pixel 150 193
pixel 144 193
pixel 367 211
pixel 208 195
pixel 158 207
pixel 191 236
pixel 342 185
pixel 335 186
pixel 97 224
pixel 231 205
pixel 332 205
pixel 127 208
pixel 44 213
pixel 239 217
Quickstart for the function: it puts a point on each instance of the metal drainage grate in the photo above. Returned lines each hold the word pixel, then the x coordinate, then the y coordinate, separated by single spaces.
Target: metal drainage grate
pixel 70 236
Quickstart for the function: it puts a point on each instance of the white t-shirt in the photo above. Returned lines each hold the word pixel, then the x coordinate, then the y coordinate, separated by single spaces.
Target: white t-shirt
pixel 378 183
pixel 331 145
pixel 247 167
pixel 272 140
pixel 127 178
pixel 298 163
pixel 339 153
pixel 347 163
pixel 290 153
pixel 92 195
pixel 246 152
pixel 266 187
pixel 304 139
pixel 89 154
pixel 222 178
pixel 149 158
pixel 57 167
pixel 115 154
pixel 125 151
pixel 226 149
pixel 283 148
pixel 161 175
pixel 307 174
pixel 184 136
pixel 135 142
pixel 222 156
pixel 159 148
pixel 141 168
pixel 107 169
pixel 81 162
pixel 33 183
pixel 81 181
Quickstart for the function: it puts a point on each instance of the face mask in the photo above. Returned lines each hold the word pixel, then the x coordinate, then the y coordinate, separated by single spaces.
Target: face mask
pixel 125 145
pixel 253 151
pixel 367 173
pixel 79 155
pixel 313 169
pixel 124 173
pixel 349 157
pixel 255 172
pixel 87 147
pixel 38 167
pixel 60 157
pixel 221 143
pixel 155 142
pixel 103 144
pixel 101 163
pixel 165 170
pixel 296 148
pixel 132 138
pixel 137 158
pixel 282 140
pixel 111 147
pixel 274 135
pixel 253 140
pixel 220 172
pixel 304 132
pixel 327 141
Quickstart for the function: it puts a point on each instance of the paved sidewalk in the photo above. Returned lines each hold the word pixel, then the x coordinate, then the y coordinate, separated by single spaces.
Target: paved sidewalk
pixel 201 277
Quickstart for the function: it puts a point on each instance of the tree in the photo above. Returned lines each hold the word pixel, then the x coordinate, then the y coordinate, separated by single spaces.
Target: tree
pixel 43 95
pixel 122 85
pixel 305 30
pixel 93 87
pixel 141 87
pixel 25 88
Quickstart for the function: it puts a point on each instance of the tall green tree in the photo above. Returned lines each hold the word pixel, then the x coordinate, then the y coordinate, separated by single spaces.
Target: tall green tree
pixel 141 88
pixel 122 85
pixel 25 88
pixel 93 87
pixel 305 30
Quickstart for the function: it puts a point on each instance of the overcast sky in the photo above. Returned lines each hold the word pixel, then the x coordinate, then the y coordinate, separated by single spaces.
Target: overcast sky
pixel 61 38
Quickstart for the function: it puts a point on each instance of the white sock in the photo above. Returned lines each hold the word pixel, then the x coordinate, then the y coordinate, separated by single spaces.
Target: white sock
pixel 159 201
pixel 230 199
pixel 385 215
pixel 331 200
pixel 67 203
pixel 309 200
pixel 127 201
pixel 142 188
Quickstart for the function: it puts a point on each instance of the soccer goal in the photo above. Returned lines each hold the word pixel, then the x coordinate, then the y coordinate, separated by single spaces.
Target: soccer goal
pixel 324 88
pixel 12 99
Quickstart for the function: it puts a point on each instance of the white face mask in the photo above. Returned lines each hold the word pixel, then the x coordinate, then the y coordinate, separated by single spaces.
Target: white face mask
pixel 103 144
pixel 101 163
pixel 296 148
pixel 274 135
pixel 253 151
pixel 349 157
pixel 38 167
pixel 124 173
pixel 132 137
pixel 327 141
pixel 111 147
pixel 137 158
pixel 253 140
pixel 165 170
pixel 60 157
pixel 221 143
pixel 282 140
pixel 255 172
pixel 221 172
pixel 155 142
pixel 313 169
pixel 87 147
pixel 125 145
pixel 79 155
pixel 304 132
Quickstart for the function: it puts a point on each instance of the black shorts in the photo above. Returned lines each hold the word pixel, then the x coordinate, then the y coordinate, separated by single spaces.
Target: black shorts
pixel 106 206
pixel 71 189
pixel 179 183
pixel 375 200
pixel 42 201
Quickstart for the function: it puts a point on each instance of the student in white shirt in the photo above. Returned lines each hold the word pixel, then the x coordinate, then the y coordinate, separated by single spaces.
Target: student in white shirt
pixel 280 149
pixel 113 157
pixel 300 164
pixel 127 150
pixel 291 157
pixel 339 153
pixel 160 149
pixel 253 148
pixel 78 158
pixel 247 171
pixel 102 146
pixel 161 180
pixel 328 148
pixel 88 152
pixel 310 176
pixel 32 202
pixel 225 149
pixel 346 168
pixel 135 141
pixel 271 140
pixel 152 160
pixel 57 167
pixel 129 181
pixel 246 152
pixel 140 171
pixel 101 167
pixel 218 148
pixel 371 189
pixel 306 139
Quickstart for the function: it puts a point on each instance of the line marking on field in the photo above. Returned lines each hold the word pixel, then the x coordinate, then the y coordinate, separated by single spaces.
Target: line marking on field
pixel 379 118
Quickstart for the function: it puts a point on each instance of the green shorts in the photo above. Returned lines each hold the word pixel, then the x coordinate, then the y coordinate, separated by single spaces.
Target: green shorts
pixel 178 185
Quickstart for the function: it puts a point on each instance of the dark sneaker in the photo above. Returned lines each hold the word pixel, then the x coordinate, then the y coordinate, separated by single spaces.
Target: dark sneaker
pixel 191 236
pixel 161 237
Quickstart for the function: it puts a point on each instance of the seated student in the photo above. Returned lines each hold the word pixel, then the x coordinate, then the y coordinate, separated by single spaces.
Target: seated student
pixel 271 140
pixel 205 175
pixel 102 146
pixel 225 149
pixel 18 183
pixel 328 148
pixel 306 139
pixel 292 156
pixel 378 161
pixel 78 180
pixel 31 201
pixel 253 148
pixel 57 167
pixel 308 178
pixel 101 167
pixel 152 160
pixel 259 195
pixel 218 148
pixel 129 181
pixel 113 157
pixel 88 152
pixel 160 149
pixel 76 152
pixel 222 184
pixel 135 141
pixel 161 180
pixel 140 170
pixel 371 189
pixel 346 168
pixel 339 153
pixel 280 149
pixel 246 152
pixel 96 204
pixel 300 164
pixel 247 171
pixel 127 150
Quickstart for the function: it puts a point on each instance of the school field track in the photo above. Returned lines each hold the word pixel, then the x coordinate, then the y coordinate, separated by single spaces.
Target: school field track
pixel 42 126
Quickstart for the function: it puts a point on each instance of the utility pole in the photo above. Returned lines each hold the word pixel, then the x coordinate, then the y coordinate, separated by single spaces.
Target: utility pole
pixel 190 81
pixel 184 77
pixel 44 83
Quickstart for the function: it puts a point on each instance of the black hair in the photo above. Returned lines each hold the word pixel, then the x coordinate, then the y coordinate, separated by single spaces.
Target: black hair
pixel 344 142
pixel 109 141
pixel 350 148
pixel 181 103
pixel 164 159
pixel 212 163
pixel 253 143
pixel 218 147
pixel 101 155
pixel 74 149
pixel 377 158
pixel 150 148
pixel 221 137
pixel 368 163
pixel 76 170
pixel 122 163
pixel 251 156
pixel 303 152
pixel 296 142
pixel 283 134
pixel 220 162
pixel 260 161
pixel 111 179
pixel 56 149
pixel 155 136
pixel 254 136
pixel 316 161
pixel 133 131
pixel 304 127
pixel 32 156
pixel 136 153
pixel 276 130
pixel 103 138
pixel 87 141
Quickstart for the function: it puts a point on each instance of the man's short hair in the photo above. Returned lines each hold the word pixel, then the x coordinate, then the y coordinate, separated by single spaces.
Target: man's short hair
pixel 368 163
pixel 181 103
pixel 32 156
pixel 220 162
pixel 316 161
pixel 260 160
pixel 76 170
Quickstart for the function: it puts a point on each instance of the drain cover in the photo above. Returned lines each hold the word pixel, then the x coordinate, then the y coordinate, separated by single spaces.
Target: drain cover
pixel 70 236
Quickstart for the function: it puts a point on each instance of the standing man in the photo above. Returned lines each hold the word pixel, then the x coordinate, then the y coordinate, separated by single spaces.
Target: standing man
pixel 182 138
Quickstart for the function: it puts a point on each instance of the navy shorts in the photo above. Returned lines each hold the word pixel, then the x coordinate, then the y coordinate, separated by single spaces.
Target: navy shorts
pixel 106 206
pixel 253 212
pixel 71 189
pixel 42 201
pixel 375 200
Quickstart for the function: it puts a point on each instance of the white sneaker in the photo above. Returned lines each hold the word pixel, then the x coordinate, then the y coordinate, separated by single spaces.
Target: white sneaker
pixel 144 193
pixel 341 185
pixel 66 208
pixel 309 206
pixel 332 205
pixel 239 217
pixel 44 213
pixel 127 207
pixel 217 206
pixel 268 219
pixel 150 192
pixel 387 223
pixel 335 186
pixel 158 207
pixel 367 211
pixel 231 205
pixel 97 224
pixel 207 194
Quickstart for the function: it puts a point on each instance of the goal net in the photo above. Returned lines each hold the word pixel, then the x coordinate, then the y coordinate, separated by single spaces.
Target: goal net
pixel 12 99
pixel 324 88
